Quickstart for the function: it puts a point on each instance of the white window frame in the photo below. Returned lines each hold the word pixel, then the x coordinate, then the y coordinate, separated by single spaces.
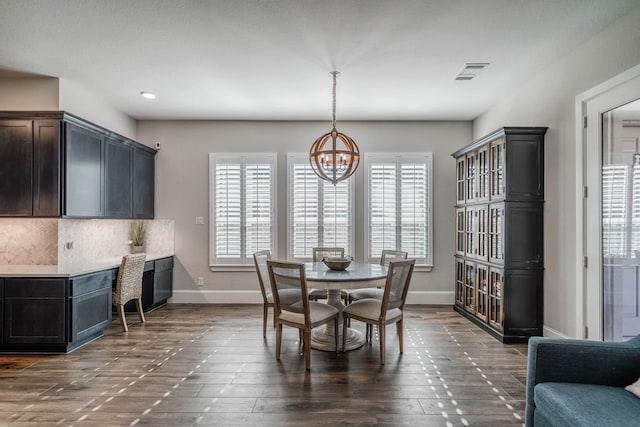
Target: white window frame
pixel 424 263
pixel 302 158
pixel 243 262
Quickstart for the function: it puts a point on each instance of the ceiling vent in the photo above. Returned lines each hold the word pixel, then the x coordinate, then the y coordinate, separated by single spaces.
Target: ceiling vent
pixel 471 70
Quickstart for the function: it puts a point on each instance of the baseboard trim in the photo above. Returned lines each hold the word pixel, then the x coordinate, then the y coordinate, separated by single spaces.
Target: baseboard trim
pixel 254 297
pixel 550 332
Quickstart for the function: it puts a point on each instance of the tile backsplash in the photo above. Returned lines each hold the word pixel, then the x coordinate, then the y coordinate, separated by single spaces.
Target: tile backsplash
pixel 82 240
pixel 28 241
pixel 71 241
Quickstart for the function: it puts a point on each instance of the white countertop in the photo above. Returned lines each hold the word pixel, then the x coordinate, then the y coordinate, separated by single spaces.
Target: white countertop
pixel 66 270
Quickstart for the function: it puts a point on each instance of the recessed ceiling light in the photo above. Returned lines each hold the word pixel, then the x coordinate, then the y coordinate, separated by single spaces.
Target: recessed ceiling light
pixel 148 95
pixel 471 70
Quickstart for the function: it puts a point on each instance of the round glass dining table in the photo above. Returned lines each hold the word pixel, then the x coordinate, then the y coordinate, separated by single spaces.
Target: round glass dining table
pixel 357 275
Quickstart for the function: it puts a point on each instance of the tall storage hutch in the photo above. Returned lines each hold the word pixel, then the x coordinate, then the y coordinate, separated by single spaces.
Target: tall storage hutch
pixel 499 260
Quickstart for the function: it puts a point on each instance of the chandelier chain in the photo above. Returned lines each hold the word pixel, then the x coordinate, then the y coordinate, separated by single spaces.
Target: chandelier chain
pixel 334 74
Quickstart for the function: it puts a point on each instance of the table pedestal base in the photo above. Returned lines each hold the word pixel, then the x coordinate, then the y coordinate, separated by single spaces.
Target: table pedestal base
pixel 322 338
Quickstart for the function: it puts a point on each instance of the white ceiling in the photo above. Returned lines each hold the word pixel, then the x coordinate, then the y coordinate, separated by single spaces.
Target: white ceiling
pixel 270 59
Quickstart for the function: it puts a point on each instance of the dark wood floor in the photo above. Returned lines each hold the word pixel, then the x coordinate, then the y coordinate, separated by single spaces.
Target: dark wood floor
pixel 208 365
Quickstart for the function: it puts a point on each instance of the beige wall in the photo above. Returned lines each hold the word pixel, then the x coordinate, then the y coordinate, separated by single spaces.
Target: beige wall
pixel 29 93
pixel 549 100
pixel 183 191
pixel 84 103
pixel 53 94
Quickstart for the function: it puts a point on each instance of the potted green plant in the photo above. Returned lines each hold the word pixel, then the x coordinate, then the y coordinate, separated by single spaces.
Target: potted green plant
pixel 137 232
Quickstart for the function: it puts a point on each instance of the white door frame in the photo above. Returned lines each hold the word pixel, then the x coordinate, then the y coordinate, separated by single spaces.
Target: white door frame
pixel 613 93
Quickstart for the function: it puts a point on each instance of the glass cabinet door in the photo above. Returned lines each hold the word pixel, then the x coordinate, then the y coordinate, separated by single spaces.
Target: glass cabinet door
pixel 460 282
pixel 471 177
pixel 483 174
pixel 461 179
pixel 482 245
pixel 460 231
pixel 482 291
pixel 496 226
pixel 496 166
pixel 470 287
pixel 470 232
pixel 496 278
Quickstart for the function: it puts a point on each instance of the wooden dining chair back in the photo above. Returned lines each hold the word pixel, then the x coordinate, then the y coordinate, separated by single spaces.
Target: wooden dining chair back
pixel 260 259
pixel 129 286
pixel 318 255
pixel 386 257
pixel 293 308
pixel 392 255
pixel 389 309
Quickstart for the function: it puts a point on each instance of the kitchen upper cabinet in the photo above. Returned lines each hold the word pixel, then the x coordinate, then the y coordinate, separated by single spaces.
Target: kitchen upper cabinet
pixel 46 168
pixel 55 164
pixel 143 183
pixel 118 158
pixel 29 168
pixel 16 152
pixel 84 160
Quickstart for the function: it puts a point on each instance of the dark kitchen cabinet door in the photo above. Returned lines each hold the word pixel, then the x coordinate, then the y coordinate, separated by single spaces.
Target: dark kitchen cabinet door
pixel 90 305
pixel 84 172
pixel 46 174
pixel 16 173
pixel 143 183
pixel 34 311
pixel 1 312
pixel 118 167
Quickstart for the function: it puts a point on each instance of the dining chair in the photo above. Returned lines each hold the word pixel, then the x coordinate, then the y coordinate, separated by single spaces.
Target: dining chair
pixel 129 286
pixel 386 257
pixel 318 255
pixel 387 310
pixel 293 308
pixel 260 259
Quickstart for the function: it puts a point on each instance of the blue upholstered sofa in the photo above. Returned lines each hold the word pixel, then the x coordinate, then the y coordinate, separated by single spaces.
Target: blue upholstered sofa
pixel 581 383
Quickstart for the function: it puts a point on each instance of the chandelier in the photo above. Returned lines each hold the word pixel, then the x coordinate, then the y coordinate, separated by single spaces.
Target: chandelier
pixel 334 156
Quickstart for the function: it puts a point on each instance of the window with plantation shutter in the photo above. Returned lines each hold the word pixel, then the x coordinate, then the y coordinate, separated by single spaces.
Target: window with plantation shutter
pixel 320 214
pixel 242 199
pixel 398 198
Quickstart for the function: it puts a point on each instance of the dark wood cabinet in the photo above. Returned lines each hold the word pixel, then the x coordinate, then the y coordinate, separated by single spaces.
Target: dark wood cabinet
pixel 162 281
pixel 16 173
pixel 499 259
pixel 143 183
pixel 35 311
pixel 84 177
pixel 118 178
pixel 47 168
pixel 90 306
pixel 157 285
pixel 56 164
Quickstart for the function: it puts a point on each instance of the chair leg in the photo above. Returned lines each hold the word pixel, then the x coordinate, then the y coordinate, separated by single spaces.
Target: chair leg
pixel 335 334
pixel 275 316
pixel 381 331
pixel 307 349
pixel 344 331
pixel 265 308
pixel 140 312
pixel 122 318
pixel 399 329
pixel 278 340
